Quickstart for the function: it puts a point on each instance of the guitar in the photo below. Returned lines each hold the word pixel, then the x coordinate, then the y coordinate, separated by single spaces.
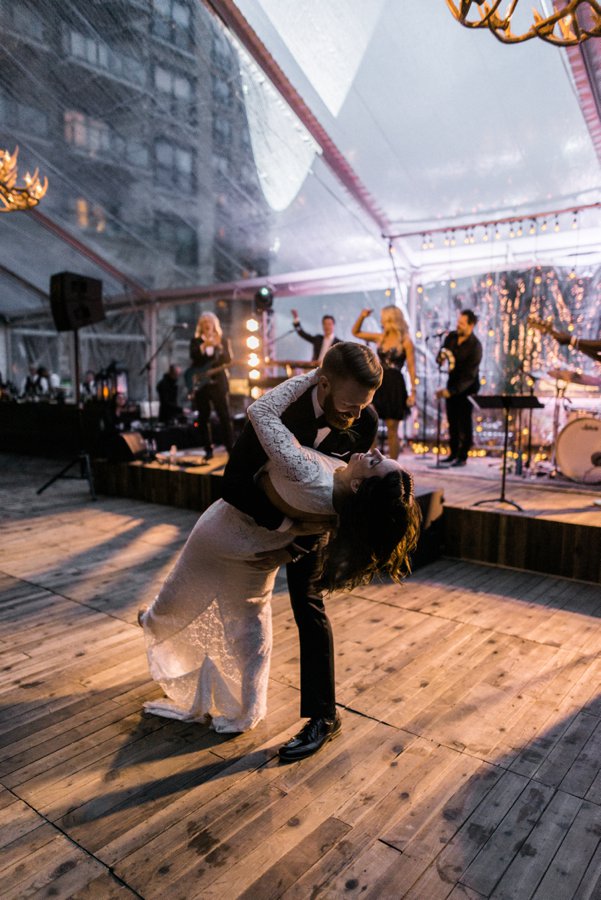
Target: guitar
pixel 196 377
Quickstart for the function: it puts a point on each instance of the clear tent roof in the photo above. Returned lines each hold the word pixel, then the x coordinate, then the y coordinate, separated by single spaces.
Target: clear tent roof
pixel 174 162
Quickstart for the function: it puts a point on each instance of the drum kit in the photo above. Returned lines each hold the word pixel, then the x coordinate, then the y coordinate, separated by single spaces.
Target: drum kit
pixel 577 441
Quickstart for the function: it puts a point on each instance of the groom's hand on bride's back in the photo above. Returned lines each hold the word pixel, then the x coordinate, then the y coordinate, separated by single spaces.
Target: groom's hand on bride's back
pixel 271 559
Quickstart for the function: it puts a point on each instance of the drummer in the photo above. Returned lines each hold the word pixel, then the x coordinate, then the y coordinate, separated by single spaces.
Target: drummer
pixel 581 345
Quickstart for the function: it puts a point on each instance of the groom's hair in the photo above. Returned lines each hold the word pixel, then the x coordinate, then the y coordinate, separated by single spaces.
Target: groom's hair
pixel 350 360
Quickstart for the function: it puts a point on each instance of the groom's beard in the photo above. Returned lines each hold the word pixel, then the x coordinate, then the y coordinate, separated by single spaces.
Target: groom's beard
pixel 335 418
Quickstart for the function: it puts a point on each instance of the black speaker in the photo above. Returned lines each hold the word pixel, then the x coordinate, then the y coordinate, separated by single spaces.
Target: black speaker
pixel 126 446
pixel 75 301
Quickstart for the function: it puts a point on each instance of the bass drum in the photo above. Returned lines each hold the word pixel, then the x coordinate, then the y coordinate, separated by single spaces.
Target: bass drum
pixel 578 453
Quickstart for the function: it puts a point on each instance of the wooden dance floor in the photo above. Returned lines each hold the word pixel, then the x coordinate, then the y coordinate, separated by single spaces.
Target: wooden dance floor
pixel 469 764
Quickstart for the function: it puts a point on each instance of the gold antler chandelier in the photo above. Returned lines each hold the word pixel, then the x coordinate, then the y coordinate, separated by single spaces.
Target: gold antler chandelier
pixel 12 197
pixel 571 22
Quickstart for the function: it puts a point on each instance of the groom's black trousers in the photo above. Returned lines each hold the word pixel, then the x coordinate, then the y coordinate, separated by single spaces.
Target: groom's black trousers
pixel 315 637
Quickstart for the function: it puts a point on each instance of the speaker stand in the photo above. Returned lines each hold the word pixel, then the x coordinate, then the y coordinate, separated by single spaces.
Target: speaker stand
pixel 82 458
pixel 85 464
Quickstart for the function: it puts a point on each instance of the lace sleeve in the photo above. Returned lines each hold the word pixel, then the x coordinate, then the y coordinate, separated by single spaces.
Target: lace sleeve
pixel 296 463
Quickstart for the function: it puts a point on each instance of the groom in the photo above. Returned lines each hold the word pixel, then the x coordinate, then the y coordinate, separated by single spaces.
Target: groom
pixel 335 418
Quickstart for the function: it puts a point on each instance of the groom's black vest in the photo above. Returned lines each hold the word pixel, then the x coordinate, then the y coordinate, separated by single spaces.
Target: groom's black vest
pixel 248 456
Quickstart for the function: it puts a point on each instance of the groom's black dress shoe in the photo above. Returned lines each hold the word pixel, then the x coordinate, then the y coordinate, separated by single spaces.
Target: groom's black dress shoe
pixel 311 738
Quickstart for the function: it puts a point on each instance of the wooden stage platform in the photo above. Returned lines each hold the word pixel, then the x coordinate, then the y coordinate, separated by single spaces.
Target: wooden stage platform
pixel 469 765
pixel 558 531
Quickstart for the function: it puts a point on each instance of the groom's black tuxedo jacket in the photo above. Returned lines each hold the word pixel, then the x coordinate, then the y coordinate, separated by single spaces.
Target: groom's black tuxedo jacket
pixel 248 456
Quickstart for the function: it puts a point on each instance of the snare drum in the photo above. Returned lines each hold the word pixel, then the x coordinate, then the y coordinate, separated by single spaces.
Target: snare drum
pixel 578 451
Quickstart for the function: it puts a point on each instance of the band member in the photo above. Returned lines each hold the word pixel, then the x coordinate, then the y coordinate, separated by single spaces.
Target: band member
pixel 207 380
pixel 88 386
pixel 321 342
pixel 465 350
pixel 395 348
pixel 167 389
pixel 581 345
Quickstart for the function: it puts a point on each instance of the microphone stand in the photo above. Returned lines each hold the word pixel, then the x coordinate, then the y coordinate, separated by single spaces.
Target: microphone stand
pixel 147 367
pixel 438 406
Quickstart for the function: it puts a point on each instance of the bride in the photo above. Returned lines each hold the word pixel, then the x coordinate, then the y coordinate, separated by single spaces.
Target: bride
pixel 208 632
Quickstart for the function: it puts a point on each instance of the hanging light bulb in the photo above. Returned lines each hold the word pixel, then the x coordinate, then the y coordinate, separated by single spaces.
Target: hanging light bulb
pixel 511 232
pixel 532 229
pixel 424 242
pixel 556 226
pixel 497 233
pixel 575 220
pixel 453 241
pixel 520 230
pixel 544 225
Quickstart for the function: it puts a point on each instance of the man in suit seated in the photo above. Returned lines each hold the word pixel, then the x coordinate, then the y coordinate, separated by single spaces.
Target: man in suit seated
pixel 321 343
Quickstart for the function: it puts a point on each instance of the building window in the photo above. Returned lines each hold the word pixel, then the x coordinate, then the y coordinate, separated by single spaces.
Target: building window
pixel 25 21
pixel 172 22
pixel 222 131
pixel 23 117
pixel 86 133
pixel 97 138
pixel 99 55
pixel 177 86
pixel 174 166
pixel 222 91
pixel 179 238
pixel 93 217
pixel 221 51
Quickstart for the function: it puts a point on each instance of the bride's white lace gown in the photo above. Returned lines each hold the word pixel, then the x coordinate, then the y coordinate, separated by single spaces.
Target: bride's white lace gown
pixel 208 631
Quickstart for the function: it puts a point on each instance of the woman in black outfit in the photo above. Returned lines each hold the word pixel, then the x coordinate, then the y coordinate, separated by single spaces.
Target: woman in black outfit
pixel 395 350
pixel 207 381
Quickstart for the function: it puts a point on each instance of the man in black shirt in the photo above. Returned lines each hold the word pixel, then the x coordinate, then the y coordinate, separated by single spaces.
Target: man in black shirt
pixel 464 351
pixel 167 389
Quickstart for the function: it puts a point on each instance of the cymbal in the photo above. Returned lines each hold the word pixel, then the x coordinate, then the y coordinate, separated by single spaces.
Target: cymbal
pixel 575 377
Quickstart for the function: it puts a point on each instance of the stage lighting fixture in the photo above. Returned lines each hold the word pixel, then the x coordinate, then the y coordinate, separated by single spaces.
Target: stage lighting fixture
pixel 264 299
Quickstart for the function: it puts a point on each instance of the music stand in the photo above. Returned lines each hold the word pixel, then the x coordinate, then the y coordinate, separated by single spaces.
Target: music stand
pixel 505 402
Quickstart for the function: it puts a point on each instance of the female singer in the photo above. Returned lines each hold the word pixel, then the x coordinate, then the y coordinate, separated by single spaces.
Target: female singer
pixel 395 348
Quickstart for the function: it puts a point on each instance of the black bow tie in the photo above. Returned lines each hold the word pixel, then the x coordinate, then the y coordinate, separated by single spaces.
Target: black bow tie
pixel 320 422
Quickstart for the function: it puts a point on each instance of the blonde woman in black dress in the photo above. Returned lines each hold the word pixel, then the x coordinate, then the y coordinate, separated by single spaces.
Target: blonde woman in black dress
pixel 395 350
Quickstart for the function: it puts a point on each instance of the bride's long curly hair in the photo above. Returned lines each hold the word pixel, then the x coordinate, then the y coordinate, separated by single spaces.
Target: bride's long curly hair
pixel 377 532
